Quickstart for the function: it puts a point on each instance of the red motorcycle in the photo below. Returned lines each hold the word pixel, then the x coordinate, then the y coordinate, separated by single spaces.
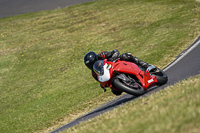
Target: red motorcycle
pixel 128 77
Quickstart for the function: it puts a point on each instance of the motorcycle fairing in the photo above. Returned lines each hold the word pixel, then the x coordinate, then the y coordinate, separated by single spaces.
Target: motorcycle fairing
pixel 144 77
pixel 106 76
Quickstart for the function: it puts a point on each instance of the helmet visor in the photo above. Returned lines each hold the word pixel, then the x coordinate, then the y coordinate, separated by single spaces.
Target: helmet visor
pixel 98 67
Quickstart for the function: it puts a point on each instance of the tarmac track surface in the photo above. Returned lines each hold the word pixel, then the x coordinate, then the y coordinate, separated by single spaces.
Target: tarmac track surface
pixel 186 64
pixel 16 7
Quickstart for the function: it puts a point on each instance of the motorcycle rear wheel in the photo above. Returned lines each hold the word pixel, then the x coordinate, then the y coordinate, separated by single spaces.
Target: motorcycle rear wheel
pixel 125 88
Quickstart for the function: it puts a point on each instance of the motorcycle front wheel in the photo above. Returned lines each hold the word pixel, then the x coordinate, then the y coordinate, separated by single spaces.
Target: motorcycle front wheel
pixel 161 76
pixel 136 91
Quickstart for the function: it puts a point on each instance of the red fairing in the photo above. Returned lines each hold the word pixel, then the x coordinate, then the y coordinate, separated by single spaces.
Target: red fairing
pixel 144 77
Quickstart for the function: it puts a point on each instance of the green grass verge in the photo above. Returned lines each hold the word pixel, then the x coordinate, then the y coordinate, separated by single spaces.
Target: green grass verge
pixel 175 109
pixel 43 80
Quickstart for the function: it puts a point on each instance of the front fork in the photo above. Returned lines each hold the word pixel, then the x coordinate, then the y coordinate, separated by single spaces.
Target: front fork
pixel 148 80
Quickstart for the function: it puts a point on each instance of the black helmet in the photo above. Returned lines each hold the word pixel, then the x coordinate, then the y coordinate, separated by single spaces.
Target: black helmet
pixel 90 58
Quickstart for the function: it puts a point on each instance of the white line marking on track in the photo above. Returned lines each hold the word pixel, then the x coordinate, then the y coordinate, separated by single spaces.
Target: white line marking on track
pixel 183 55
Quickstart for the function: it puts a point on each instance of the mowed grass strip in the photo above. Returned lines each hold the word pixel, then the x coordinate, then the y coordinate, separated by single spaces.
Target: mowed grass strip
pixel 43 80
pixel 175 109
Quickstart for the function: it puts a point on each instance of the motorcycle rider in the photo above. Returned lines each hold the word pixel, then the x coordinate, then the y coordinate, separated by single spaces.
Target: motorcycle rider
pixel 91 57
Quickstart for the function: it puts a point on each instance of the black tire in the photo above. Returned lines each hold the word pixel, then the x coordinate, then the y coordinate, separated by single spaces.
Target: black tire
pixel 161 76
pixel 120 85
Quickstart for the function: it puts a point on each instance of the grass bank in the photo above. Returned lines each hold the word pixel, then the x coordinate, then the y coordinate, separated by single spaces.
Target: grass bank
pixel 43 80
pixel 173 110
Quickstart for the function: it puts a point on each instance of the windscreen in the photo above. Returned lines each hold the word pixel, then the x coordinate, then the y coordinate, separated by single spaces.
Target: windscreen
pixel 98 67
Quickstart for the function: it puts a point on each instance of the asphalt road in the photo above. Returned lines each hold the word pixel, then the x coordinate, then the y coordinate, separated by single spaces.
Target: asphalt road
pixel 186 64
pixel 16 7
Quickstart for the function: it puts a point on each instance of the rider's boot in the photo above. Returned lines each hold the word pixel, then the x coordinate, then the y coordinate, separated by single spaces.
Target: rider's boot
pixel 147 66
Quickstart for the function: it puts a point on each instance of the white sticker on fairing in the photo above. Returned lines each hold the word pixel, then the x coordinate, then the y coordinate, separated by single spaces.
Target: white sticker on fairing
pixel 151 80
pixel 106 76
